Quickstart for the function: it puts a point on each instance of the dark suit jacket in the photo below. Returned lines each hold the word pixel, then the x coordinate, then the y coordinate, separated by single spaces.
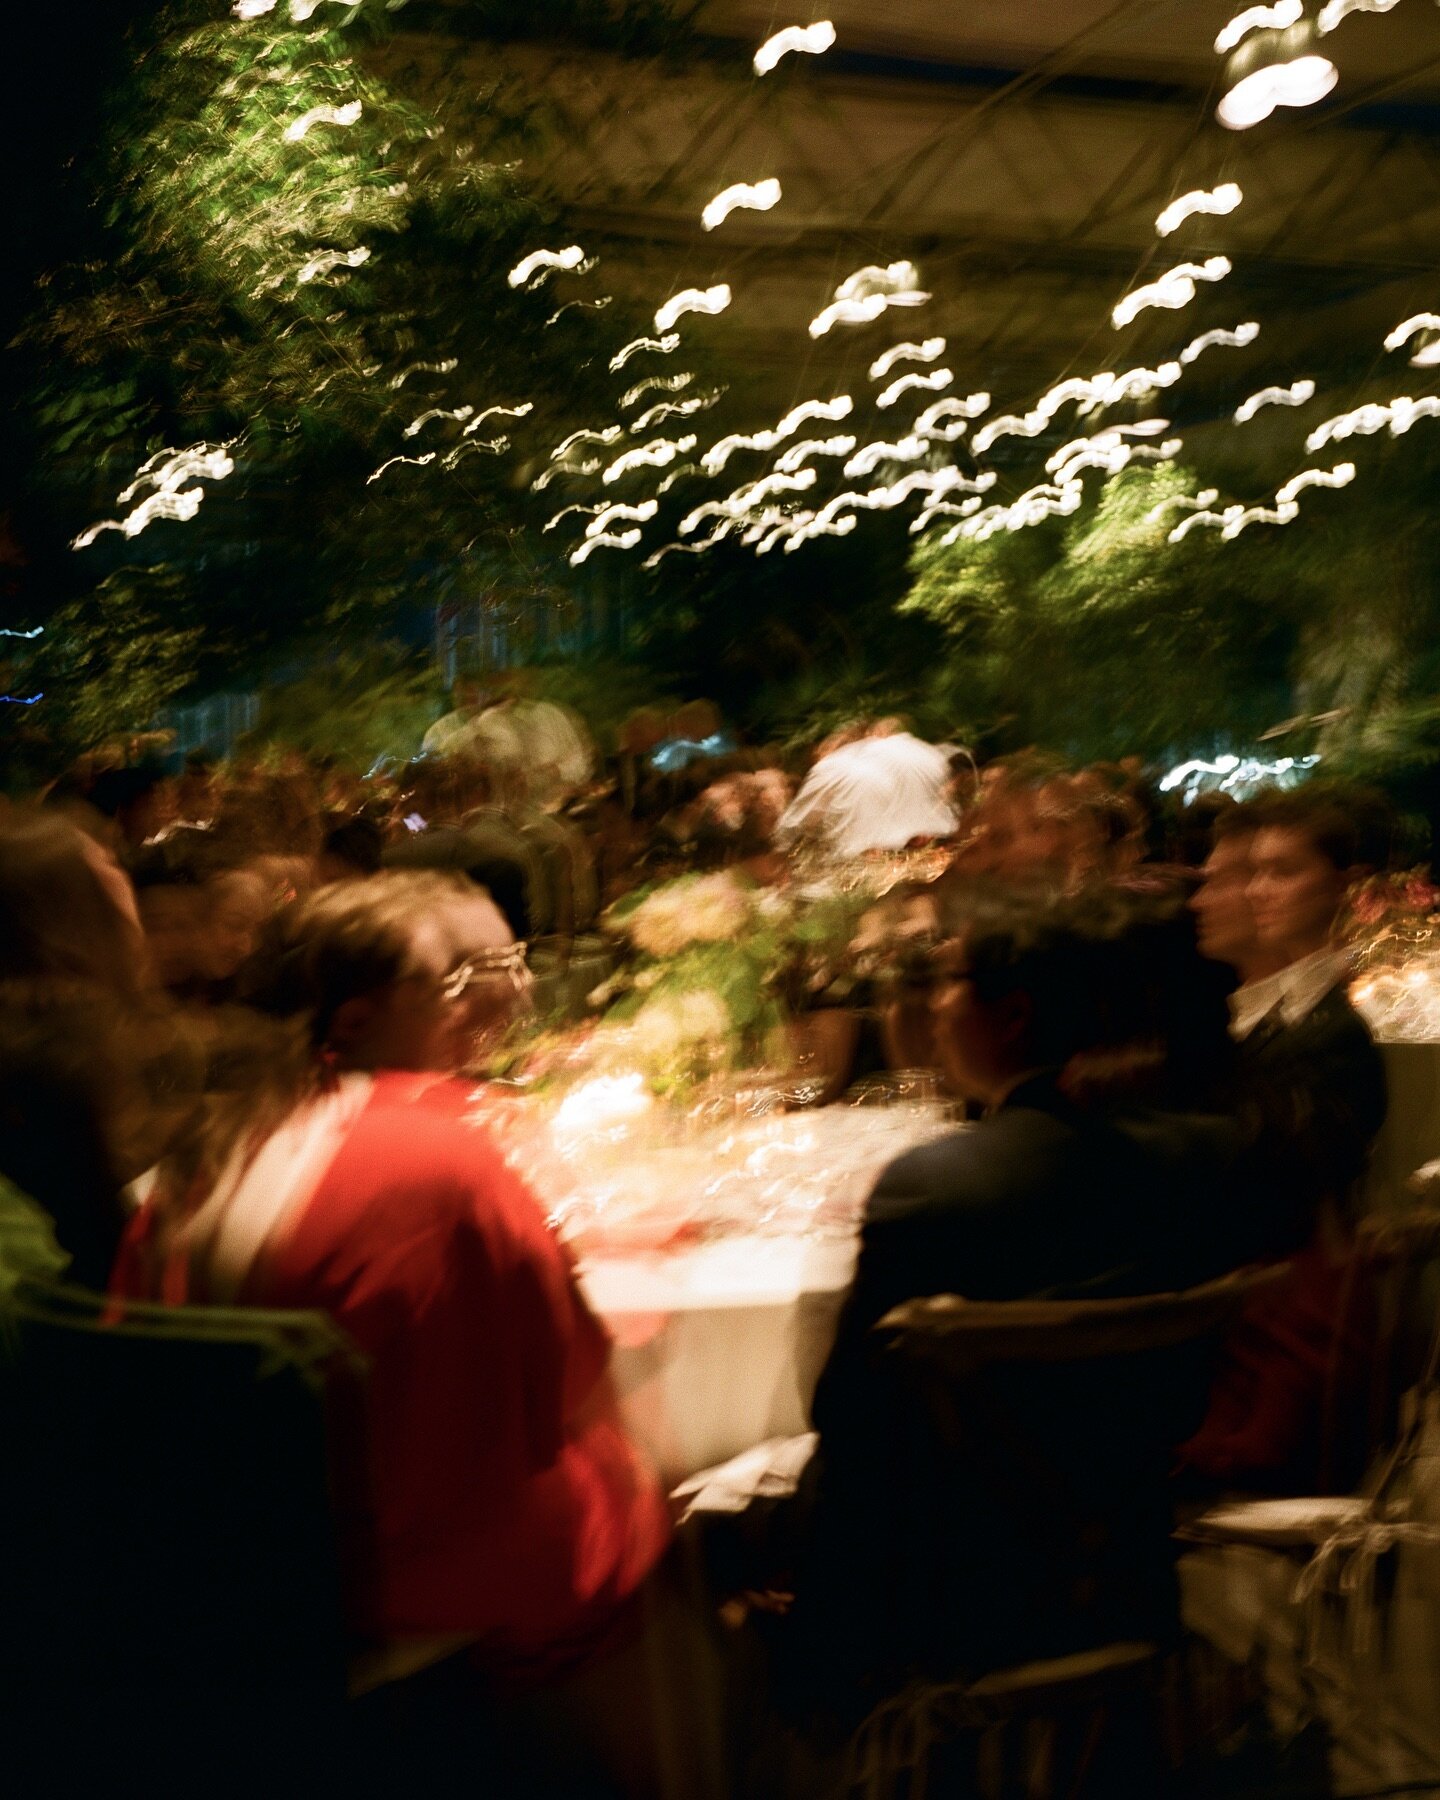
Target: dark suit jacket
pixel 1318 1089
pixel 921 1546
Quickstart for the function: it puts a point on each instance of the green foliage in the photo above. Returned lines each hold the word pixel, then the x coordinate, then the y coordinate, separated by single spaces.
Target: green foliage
pixel 109 662
pixel 356 706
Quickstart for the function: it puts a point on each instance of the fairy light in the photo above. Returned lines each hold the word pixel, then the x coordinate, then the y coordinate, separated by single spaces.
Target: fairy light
pixel 1172 290
pixel 662 346
pixel 1338 477
pixel 328 262
pixel 418 462
pixel 673 409
pixel 1202 501
pixel 927 352
pixel 653 455
pixel 1048 500
pixel 545 260
pixel 757 196
pixel 1236 772
pixel 1365 421
pixel 960 412
pixel 1425 321
pixel 711 300
pixel 1238 520
pixel 909 449
pixel 1216 201
pixel 1237 339
pixel 1027 425
pixel 1334 11
pixel 677 475
pixel 1297 394
pixel 479 447
pixel 625 540
pixel 253 9
pixel 611 434
pixel 805 40
pixel 322 115
pixel 166 472
pixel 459 414
pixel 829 411
pixel 944 509
pixel 863 296
pixel 1137 384
pixel 737 505
pixel 608 515
pixel 582 305
pixel 905 384
pixel 1278 17
pixel 523 411
pixel 565 512
pixel 589 467
pixel 425 368
pixel 655 384
pixel 803 452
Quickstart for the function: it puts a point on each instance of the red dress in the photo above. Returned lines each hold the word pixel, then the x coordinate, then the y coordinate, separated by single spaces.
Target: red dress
pixel 509 1502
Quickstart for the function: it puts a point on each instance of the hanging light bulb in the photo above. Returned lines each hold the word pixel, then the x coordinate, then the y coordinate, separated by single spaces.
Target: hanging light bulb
pixel 1274 67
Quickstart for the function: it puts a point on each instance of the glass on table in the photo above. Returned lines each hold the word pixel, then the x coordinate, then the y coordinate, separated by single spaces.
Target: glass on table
pixel 915 1088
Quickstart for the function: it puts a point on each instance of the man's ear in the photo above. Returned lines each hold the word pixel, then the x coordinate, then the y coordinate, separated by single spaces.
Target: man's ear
pixel 351 1020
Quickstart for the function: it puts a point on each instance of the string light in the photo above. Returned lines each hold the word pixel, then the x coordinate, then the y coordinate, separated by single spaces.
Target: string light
pixel 926 352
pixel 1279 17
pixel 459 414
pixel 425 368
pixel 1048 500
pixel 6 632
pixel 609 435
pixel 166 472
pixel 1338 477
pixel 626 540
pixel 418 462
pixel 662 346
pixel 904 384
pixel 545 260
pixel 944 509
pixel 664 384
pixel 831 411
pixel 322 115
pixel 584 305
pixel 799 454
pixel 655 455
pixel 971 407
pixel 1366 420
pixel 1297 394
pixel 909 449
pixel 1028 425
pixel 565 512
pixel 15 700
pixel 674 409
pixel 863 296
pixel 1334 11
pixel 607 516
pixel 1174 289
pixel 1427 357
pixel 758 196
pixel 1207 340
pixel 327 263
pixel 1217 201
pixel 710 300
pixel 523 411
pixel 807 40
pixel 1203 500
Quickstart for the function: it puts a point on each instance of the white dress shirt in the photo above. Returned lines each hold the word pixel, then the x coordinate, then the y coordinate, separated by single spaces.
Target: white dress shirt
pixel 876 794
pixel 1292 993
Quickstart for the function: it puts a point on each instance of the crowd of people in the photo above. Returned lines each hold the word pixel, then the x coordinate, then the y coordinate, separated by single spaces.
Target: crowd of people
pixel 237 1010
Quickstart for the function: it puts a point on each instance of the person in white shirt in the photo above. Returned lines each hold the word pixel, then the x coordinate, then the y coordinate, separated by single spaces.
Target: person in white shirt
pixel 879 792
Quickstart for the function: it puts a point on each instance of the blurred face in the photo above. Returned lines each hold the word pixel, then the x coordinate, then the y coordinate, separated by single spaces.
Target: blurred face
pixel 414 1023
pixel 493 985
pixel 238 906
pixel 173 918
pixel 1224 922
pixel 976 1040
pixel 1295 891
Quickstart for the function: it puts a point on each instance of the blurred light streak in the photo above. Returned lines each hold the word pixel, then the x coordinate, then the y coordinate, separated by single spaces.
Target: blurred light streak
pixel 1258 18
pixel 322 115
pixel 799 454
pixel 710 300
pixel 831 411
pixel 863 296
pixel 584 305
pixel 426 368
pixel 905 384
pixel 758 196
pixel 1172 290
pixel 662 345
pixel 1338 477
pixel 166 471
pixel 1234 340
pixel 523 411
pixel 1217 201
pixel 418 462
pixel 1297 394
pixel 646 510
pixel 328 261
pixel 926 352
pixel 808 40
pixel 908 449
pixel 665 384
pixel 654 455
pixel 459 414
pixel 673 409
pixel 546 260
pixel 1334 11
pixel 627 540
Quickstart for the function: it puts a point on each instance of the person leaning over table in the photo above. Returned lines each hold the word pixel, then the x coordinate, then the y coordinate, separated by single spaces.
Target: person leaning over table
pixel 515 1523
pixel 1087 1177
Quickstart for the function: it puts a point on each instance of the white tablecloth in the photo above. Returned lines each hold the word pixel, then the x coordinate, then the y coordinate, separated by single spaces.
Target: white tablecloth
pixel 719 1346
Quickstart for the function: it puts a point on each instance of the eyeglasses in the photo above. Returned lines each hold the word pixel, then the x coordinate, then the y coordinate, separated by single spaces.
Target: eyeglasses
pixel 509 960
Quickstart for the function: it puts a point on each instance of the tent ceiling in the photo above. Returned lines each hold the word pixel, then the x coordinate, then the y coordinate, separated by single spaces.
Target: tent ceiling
pixel 1018 151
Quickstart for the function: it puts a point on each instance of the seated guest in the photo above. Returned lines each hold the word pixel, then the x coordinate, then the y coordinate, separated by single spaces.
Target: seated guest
pixel 1311 1072
pixel 1062 1190
pixel 1224 918
pixel 341 1171
pixel 877 792
pixel 84 1045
